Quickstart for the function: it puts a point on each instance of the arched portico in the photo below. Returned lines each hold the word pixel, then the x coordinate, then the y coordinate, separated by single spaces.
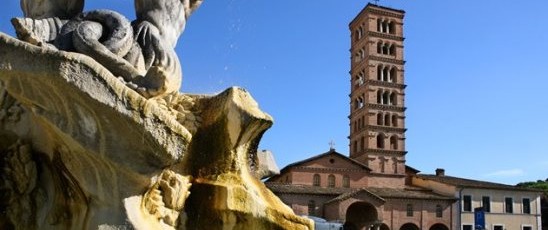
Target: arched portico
pixel 409 226
pixel 439 227
pixel 360 216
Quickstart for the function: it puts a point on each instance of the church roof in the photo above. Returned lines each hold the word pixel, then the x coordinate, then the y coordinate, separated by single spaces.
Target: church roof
pixel 279 188
pixel 330 152
pixel 408 192
pixel 411 169
pixel 469 183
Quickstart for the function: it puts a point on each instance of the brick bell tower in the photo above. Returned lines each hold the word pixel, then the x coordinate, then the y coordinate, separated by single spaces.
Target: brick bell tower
pixel 377 93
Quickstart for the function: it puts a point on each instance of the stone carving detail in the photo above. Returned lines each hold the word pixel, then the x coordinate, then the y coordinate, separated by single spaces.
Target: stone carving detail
pixel 80 149
pixel 166 198
pixel 142 55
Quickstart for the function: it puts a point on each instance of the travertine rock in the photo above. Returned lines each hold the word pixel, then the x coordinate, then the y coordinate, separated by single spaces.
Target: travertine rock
pixel 140 52
pixel 81 150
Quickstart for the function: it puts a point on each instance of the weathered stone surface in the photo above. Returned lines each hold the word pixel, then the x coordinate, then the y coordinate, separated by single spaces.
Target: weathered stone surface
pixel 141 52
pixel 81 150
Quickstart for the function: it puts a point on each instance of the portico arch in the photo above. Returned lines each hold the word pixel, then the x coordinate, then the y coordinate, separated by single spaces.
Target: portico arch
pixel 439 227
pixel 360 215
pixel 409 226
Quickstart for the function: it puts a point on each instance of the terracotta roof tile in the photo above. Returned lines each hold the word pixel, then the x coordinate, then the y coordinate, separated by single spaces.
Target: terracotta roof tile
pixel 469 183
pixel 404 193
pixel 305 189
pixel 332 151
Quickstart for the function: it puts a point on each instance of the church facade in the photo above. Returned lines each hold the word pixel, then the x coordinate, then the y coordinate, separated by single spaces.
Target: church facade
pixel 339 189
pixel 373 188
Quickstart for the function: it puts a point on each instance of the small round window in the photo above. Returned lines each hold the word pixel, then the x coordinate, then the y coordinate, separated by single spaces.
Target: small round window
pixel 331 160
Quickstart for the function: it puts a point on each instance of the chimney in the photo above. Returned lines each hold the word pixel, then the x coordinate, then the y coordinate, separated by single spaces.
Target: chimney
pixel 440 172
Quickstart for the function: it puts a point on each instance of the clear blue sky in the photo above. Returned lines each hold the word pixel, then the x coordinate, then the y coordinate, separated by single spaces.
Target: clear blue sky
pixel 476 73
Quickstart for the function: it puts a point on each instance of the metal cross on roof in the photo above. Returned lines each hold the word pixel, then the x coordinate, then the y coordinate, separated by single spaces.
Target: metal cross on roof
pixel 376 2
pixel 332 145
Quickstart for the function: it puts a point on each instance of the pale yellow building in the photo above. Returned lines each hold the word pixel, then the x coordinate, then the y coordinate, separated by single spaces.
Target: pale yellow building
pixel 506 207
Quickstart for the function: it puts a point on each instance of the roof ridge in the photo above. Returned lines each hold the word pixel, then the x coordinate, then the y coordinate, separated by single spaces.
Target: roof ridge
pixel 466 182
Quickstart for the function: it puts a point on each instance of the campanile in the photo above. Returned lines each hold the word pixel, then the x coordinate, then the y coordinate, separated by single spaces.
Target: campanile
pixel 377 93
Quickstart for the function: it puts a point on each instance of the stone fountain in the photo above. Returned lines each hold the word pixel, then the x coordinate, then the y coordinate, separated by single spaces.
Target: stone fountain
pixel 95 135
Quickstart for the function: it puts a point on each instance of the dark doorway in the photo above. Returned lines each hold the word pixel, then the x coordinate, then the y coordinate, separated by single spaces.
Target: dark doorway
pixel 439 227
pixel 409 226
pixel 360 215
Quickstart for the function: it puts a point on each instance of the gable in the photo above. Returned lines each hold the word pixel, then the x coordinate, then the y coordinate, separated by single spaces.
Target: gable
pixel 332 161
pixel 361 195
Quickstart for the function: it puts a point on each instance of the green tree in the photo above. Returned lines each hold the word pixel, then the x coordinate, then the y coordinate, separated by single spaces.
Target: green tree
pixel 539 184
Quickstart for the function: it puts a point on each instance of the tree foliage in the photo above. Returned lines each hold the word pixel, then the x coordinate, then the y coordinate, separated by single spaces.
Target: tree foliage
pixel 539 184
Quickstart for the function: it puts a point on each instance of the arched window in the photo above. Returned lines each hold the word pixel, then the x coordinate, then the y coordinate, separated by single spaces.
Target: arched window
pixel 355 146
pixel 439 211
pixel 316 180
pixel 383 26
pixel 362 144
pixel 393 99
pixel 380 119
pixel 385 74
pixel 360 99
pixel 387 119
pixel 381 165
pixel 393 74
pixel 392 50
pixel 394 142
pixel 386 98
pixel 385 49
pixel 395 120
pixel 311 208
pixel 379 72
pixel 358 104
pixel 392 27
pixel 379 25
pixel 331 181
pixel 346 181
pixel 379 96
pixel 379 47
pixel 380 141
pixel 359 33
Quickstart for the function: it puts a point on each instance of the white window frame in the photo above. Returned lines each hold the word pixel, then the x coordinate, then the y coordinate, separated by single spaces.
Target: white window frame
pixel 513 208
pixel 530 206
pixel 462 225
pixel 490 203
pixel 494 225
pixel 526 225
